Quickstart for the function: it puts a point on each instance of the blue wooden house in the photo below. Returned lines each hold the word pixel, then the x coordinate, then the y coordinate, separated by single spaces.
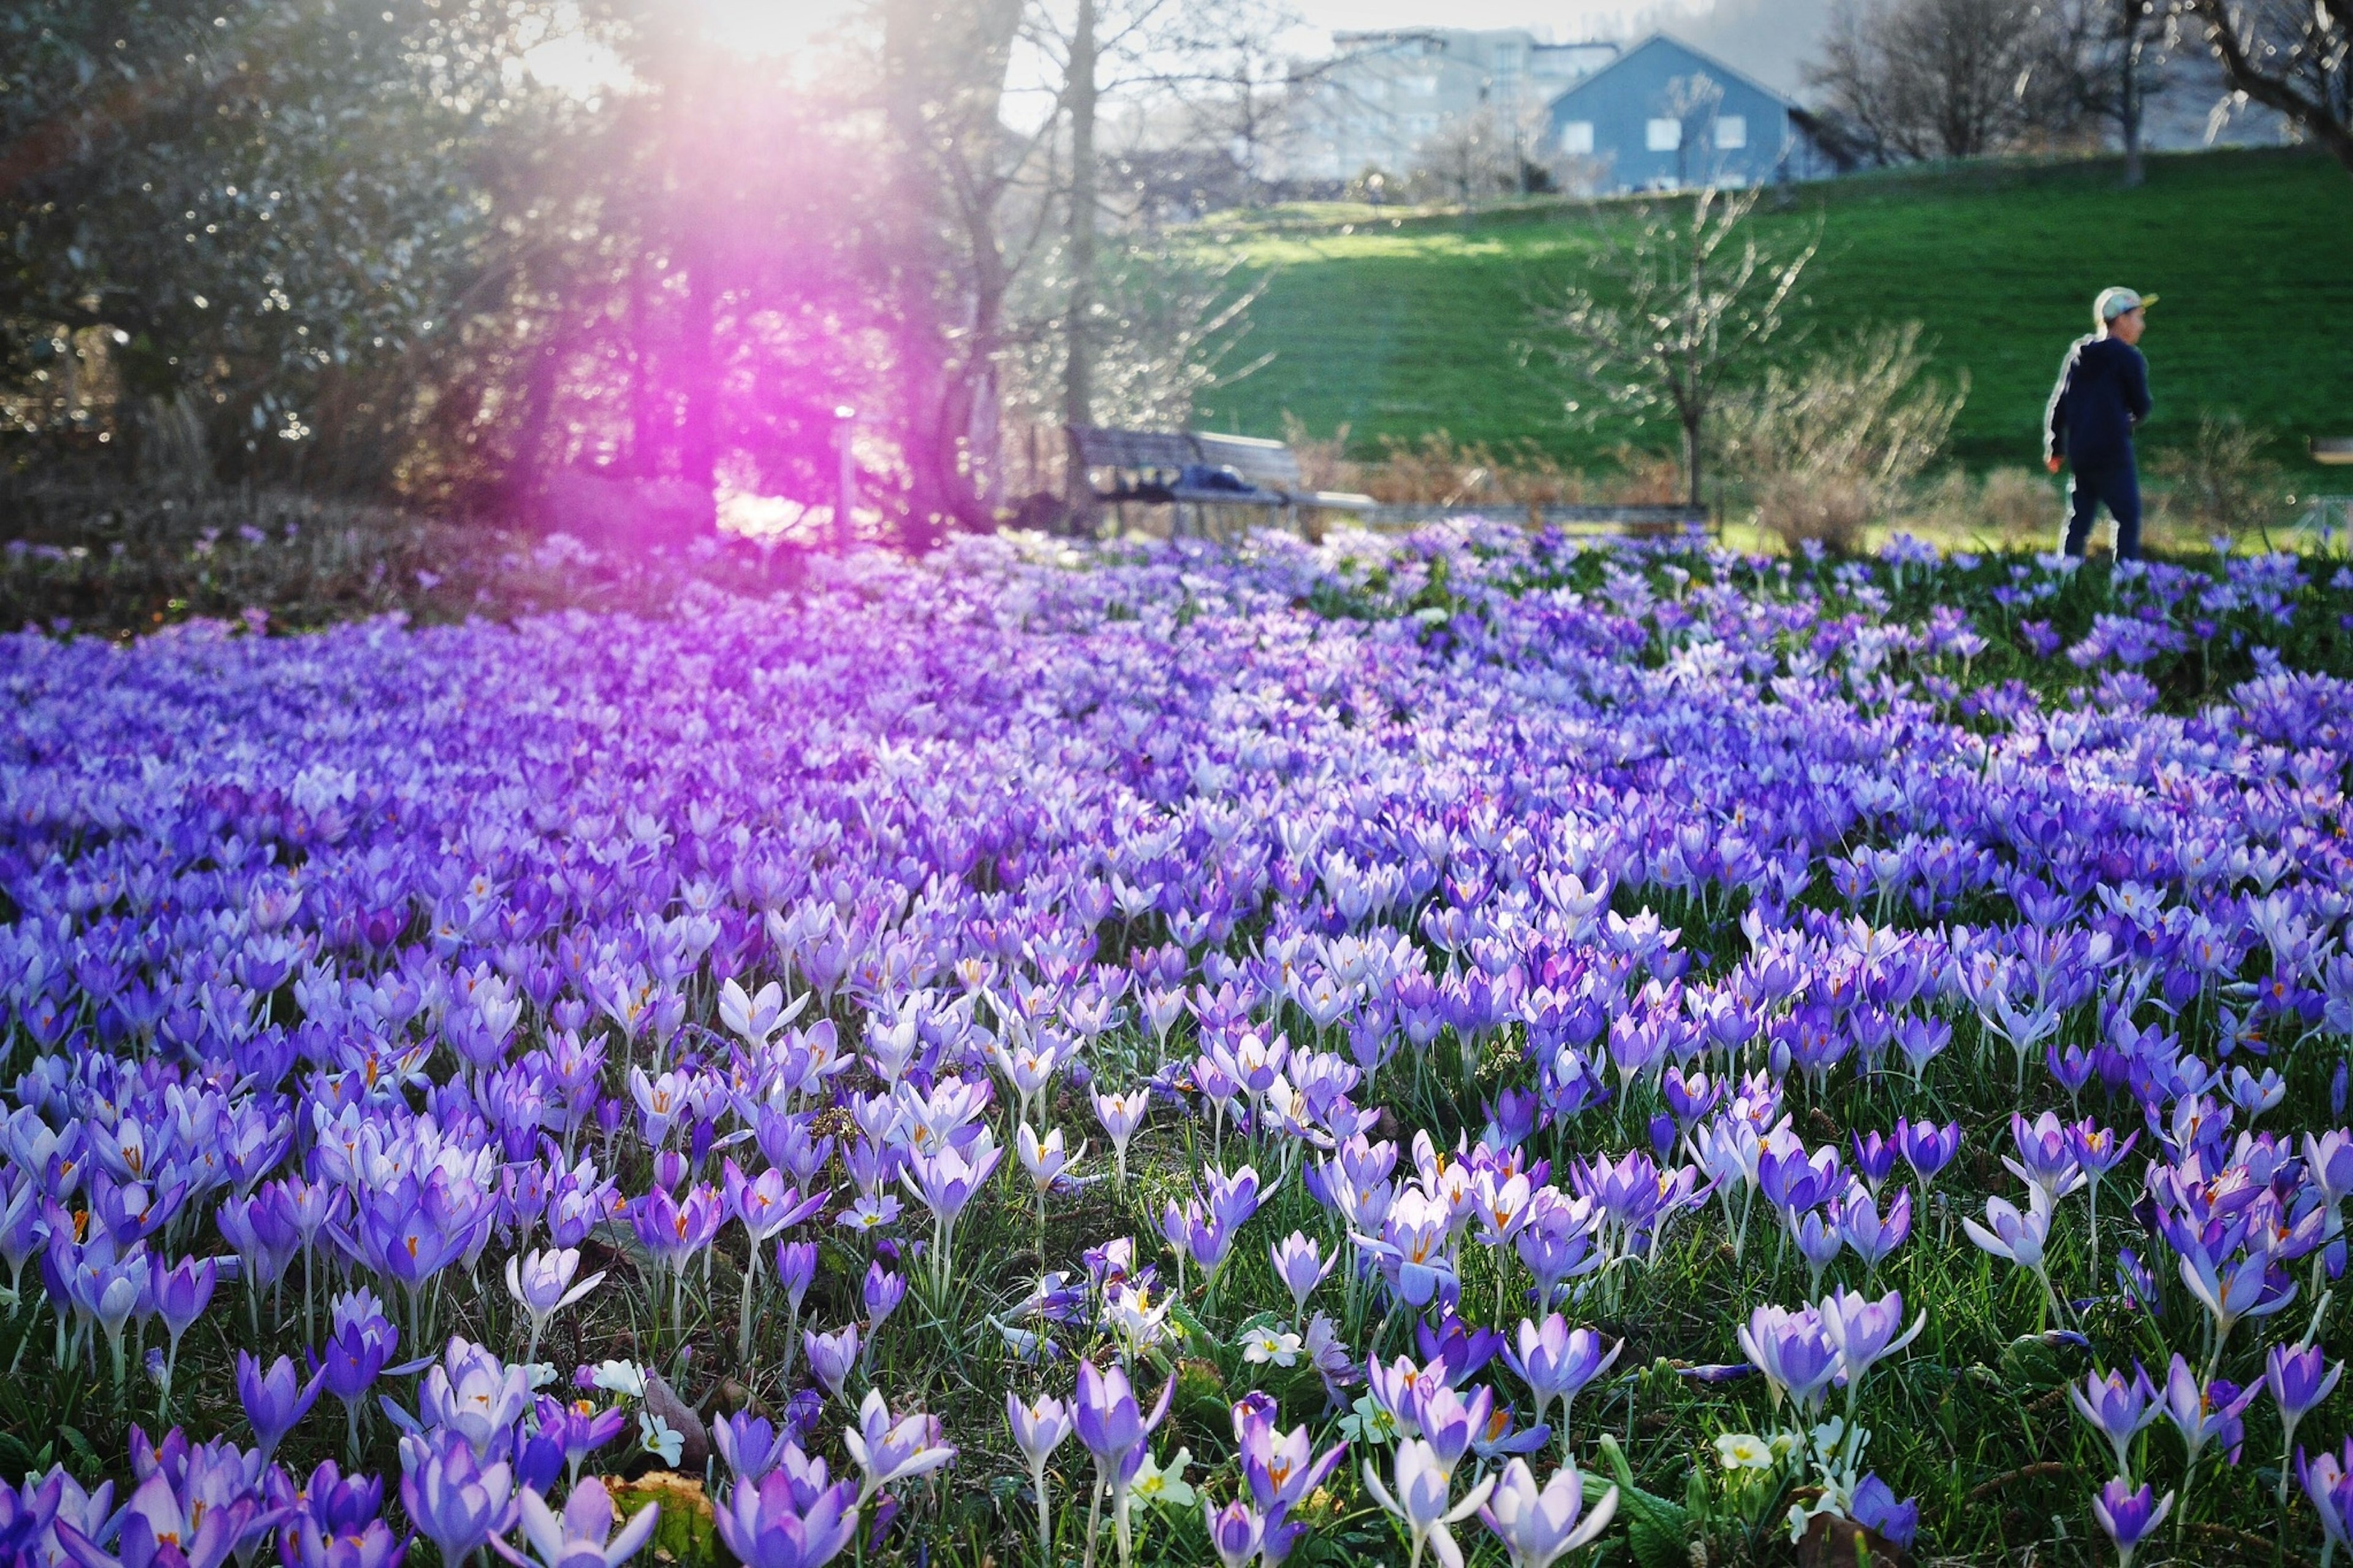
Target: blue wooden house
pixel 1664 116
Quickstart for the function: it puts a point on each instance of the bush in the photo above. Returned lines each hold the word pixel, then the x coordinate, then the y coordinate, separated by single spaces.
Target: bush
pixel 2018 505
pixel 1439 471
pixel 115 560
pixel 2222 483
pixel 1824 448
pixel 1827 508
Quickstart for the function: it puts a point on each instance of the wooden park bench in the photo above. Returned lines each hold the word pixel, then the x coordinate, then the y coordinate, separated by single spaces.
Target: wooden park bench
pixel 1167 468
pixel 1183 468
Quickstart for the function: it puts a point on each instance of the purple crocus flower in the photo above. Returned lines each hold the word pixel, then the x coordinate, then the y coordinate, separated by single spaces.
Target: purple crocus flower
pixel 2300 1377
pixel 1876 1510
pixel 1539 1525
pixel 1456 1348
pixel 2045 1156
pixel 2016 1235
pixel 1865 1332
pixel 275 1400
pixel 1451 1423
pixel 891 1451
pixel 2116 1409
pixel 161 1528
pixel 2328 1480
pixel 1115 1427
pixel 1556 1362
pixel 796 1270
pixel 578 1428
pixel 771 1524
pixel 582 1536
pixel 750 1445
pixel 1927 1147
pixel 541 1284
pixel 360 1339
pixel 1875 1157
pixel 2203 1411
pixel 1280 1469
pixel 882 1292
pixel 832 1356
pixel 1819 1241
pixel 1038 1428
pixel 1873 1238
pixel 454 1499
pixel 181 1293
pixel 1299 1264
pixel 474 1394
pixel 367 1543
pixel 2129 1516
pixel 1793 1352
pixel 1236 1531
pixel 337 1503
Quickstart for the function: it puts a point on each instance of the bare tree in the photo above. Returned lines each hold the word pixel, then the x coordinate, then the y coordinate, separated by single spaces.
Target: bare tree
pixel 954 165
pixel 1468 156
pixel 1681 315
pixel 2102 60
pixel 1110 50
pixel 2295 58
pixel 1930 79
pixel 1234 87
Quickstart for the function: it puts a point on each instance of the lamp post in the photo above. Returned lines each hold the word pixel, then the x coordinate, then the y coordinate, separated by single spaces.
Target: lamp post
pixel 845 424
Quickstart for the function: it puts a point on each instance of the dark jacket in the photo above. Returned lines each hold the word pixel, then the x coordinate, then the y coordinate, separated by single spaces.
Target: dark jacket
pixel 2102 392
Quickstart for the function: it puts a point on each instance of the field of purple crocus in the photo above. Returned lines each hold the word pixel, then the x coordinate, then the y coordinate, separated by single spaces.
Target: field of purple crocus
pixel 1474 1048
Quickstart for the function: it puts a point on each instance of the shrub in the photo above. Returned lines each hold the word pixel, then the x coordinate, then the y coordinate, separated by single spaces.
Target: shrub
pixel 1827 508
pixel 114 560
pixel 2222 483
pixel 2019 506
pixel 1826 447
pixel 1438 470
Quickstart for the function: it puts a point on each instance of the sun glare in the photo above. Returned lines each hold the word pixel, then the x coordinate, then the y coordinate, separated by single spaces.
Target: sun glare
pixel 778 27
pixel 784 30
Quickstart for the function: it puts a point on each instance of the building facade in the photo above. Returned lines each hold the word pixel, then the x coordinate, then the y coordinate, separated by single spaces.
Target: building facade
pixel 1664 116
pixel 1384 94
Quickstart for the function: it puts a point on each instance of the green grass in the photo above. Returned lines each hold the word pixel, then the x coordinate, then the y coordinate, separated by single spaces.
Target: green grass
pixel 1396 326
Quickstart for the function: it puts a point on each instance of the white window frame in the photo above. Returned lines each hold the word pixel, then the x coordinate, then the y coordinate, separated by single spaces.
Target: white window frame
pixel 1731 132
pixel 1576 138
pixel 1665 135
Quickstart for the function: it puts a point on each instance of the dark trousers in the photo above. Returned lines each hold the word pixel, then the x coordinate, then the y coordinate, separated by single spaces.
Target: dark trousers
pixel 2119 489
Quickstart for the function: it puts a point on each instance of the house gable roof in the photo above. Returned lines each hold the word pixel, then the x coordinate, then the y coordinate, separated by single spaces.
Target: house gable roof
pixel 1702 56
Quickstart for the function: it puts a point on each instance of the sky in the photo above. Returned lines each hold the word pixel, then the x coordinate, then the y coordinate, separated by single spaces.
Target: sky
pixel 1769 39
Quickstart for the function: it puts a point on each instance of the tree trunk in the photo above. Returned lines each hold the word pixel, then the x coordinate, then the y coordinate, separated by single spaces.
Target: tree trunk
pixel 525 478
pixel 944 66
pixel 1078 370
pixel 2128 96
pixel 645 442
pixel 698 443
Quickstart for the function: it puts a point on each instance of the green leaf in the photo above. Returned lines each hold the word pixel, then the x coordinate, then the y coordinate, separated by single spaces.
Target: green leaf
pixel 1658 1532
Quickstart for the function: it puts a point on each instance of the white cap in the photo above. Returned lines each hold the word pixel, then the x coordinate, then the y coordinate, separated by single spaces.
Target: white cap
pixel 2114 303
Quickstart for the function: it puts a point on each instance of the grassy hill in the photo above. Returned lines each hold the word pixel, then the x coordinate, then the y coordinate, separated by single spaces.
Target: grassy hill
pixel 1398 326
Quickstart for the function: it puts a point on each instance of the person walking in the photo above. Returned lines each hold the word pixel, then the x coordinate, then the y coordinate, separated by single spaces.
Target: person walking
pixel 2102 392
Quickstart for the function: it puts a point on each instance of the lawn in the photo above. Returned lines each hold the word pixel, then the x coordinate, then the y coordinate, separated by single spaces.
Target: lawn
pixel 1150 1054
pixel 1398 327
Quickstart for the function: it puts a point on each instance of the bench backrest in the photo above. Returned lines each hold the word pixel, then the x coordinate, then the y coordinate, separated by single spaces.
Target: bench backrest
pixel 1268 464
pixel 1141 451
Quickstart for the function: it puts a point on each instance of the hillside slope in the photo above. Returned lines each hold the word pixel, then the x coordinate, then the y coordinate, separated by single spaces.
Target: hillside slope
pixel 1400 327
